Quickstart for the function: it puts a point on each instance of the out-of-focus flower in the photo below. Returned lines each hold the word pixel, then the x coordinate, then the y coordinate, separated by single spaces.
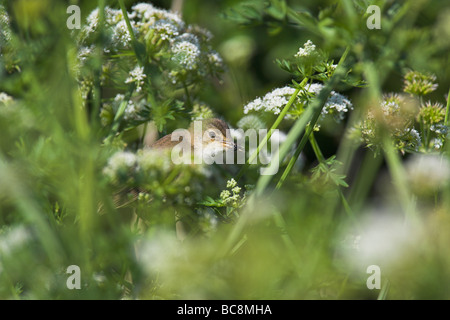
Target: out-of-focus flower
pixel 201 111
pixel 231 183
pixel 13 239
pixel 5 99
pixel 427 173
pixel 251 121
pixel 119 166
pixel 383 240
pixel 231 196
pixel 394 115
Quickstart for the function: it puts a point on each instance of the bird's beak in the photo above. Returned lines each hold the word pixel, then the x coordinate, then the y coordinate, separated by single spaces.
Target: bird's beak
pixel 231 145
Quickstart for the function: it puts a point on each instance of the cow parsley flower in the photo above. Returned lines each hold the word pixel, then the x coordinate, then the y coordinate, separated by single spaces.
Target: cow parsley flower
pixel 166 29
pixel 308 48
pixel 5 99
pixel 186 53
pixel 273 102
pixel 201 111
pixel 121 36
pixel 119 166
pixel 132 109
pixel 148 13
pixel 395 114
pixel 137 76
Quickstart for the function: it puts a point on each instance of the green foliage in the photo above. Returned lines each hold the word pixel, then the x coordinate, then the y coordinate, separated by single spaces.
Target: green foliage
pixel 79 185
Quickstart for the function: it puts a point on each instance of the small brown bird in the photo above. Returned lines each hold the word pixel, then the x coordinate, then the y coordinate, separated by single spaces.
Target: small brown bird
pixel 206 136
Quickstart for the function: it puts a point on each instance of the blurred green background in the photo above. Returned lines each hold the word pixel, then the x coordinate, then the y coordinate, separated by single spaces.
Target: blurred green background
pixel 56 206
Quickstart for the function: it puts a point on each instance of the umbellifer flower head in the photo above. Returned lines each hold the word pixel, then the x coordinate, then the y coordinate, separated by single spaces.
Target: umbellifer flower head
pixel 419 84
pixel 308 48
pixel 336 105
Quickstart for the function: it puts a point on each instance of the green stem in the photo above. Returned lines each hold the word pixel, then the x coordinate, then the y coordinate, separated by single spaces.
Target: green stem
pixel 316 148
pixel 309 129
pixel 384 290
pixel 127 21
pixel 188 96
pixel 311 115
pixel 274 126
pixel 447 112
pixel 96 91
pixel 344 201
pixel 398 175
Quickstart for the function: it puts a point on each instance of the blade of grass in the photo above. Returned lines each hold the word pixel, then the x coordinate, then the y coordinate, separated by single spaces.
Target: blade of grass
pixel 399 178
pixel 447 109
pixel 339 73
pixel 274 126
pixel 311 115
pixel 384 290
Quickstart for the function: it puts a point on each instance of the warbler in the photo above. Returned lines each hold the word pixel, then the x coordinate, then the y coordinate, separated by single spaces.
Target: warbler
pixel 207 138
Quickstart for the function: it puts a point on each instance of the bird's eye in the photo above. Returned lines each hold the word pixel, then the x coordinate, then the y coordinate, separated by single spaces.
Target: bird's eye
pixel 212 134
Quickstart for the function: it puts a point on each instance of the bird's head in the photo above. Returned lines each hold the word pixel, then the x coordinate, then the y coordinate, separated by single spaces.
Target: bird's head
pixel 212 137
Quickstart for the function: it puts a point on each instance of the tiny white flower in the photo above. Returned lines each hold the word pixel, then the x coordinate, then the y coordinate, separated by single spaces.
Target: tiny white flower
pixel 231 183
pixel 137 75
pixel 236 190
pixel 165 29
pixel 225 194
pixel 308 48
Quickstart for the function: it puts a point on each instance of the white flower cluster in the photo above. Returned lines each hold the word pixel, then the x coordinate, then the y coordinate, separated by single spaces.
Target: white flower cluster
pixel 121 36
pixel 273 102
pixel 13 239
pixel 152 167
pixel 337 104
pixel 183 51
pixel 133 108
pixel 394 113
pixel 5 98
pixel 119 164
pixel 233 197
pixel 308 48
pixel 148 14
pixel 186 51
pixel 137 76
pixel 166 29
